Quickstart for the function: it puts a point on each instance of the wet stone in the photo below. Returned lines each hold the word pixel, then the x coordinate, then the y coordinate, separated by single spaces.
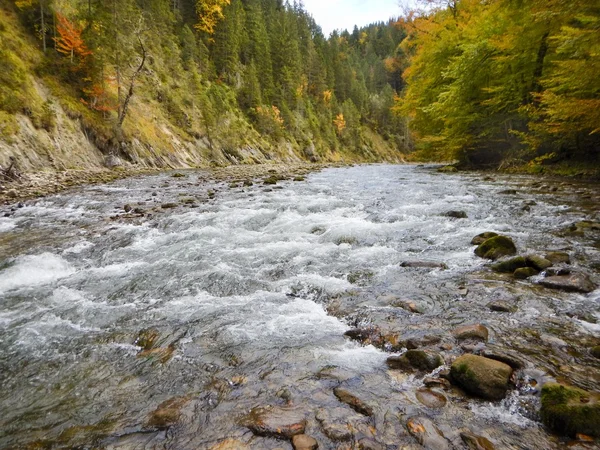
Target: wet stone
pixel 501 306
pixel 513 361
pixel 595 351
pixel 436 383
pixel 352 400
pixel 279 422
pixel 558 257
pixel 456 214
pixel 574 282
pixel 430 398
pixel 475 332
pixel 427 434
pixel 571 411
pixel 524 273
pixel 508 192
pixel 424 265
pixel 496 247
pixel 474 442
pixel 167 413
pixel 538 262
pixel 230 444
pixel 509 265
pixel 304 442
pixel 481 376
pixel 335 423
pixel 481 238
pixel 370 444
pixel 416 359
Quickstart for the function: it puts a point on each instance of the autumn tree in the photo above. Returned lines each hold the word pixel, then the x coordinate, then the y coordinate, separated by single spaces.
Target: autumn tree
pixel 69 41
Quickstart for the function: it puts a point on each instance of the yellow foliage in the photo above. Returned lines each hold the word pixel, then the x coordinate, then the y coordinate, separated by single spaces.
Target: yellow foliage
pixel 209 14
pixel 340 123
pixel 327 96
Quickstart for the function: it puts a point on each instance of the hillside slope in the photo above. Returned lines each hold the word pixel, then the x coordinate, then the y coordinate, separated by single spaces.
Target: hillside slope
pixel 188 109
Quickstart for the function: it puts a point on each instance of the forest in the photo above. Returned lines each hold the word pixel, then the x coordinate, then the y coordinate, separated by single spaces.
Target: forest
pixel 509 84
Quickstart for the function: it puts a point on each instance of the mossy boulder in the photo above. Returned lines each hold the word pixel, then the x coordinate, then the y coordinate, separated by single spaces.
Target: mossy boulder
pixel 509 265
pixel 595 351
pixel 524 273
pixel 481 376
pixel 496 247
pixel 481 238
pixel 538 262
pixel 570 411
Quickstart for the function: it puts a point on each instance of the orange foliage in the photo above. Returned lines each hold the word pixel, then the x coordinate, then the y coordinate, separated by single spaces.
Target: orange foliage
pixel 70 42
pixel 98 98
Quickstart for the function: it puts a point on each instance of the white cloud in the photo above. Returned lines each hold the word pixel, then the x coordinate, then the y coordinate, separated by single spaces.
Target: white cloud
pixel 344 14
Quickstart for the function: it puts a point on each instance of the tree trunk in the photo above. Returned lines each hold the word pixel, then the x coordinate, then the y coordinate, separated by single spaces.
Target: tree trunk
pixel 43 25
pixel 123 110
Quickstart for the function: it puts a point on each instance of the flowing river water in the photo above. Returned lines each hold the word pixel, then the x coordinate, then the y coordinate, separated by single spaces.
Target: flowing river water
pixel 240 297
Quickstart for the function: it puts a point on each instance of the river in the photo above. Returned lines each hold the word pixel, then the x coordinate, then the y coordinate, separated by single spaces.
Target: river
pixel 239 297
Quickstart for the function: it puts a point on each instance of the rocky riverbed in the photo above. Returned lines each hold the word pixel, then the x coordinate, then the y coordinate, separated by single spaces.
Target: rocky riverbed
pixel 369 307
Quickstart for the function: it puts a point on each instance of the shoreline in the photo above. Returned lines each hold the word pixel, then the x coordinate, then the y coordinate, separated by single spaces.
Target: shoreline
pixel 37 185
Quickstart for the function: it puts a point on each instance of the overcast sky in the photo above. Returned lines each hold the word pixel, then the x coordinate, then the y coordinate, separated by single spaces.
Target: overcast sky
pixel 344 14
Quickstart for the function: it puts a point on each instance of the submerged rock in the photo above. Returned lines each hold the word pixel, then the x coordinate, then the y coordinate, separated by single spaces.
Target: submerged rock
pixel 508 192
pixel 481 238
pixel 474 442
pixel 278 422
pixel 427 434
pixel 573 282
pixel 230 444
pixel 336 423
pixel 496 247
pixel 481 376
pixel 430 398
pixel 456 214
pixel 167 413
pixel 353 401
pixel 558 257
pixel 570 411
pixel 477 332
pixel 510 265
pixel 304 442
pixel 416 359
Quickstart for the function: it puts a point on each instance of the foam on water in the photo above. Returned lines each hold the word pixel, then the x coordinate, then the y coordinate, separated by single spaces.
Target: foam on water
pixel 34 270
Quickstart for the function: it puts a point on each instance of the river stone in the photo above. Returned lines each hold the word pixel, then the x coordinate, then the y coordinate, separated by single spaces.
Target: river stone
pixel 430 398
pixel 167 413
pixel 481 376
pixel 524 273
pixel 337 422
pixel 447 169
pixel 273 421
pixel 508 192
pixel 353 401
pixel 501 306
pixel 431 382
pixel 568 410
pixel 477 331
pixel 304 442
pixel 474 442
pixel 230 444
pixel 427 434
pixel 481 238
pixel 424 265
pixel 595 351
pixel 456 214
pixel 496 247
pixel 513 361
pixel 538 262
pixel 509 265
pixel 416 359
pixel 574 282
pixel 558 257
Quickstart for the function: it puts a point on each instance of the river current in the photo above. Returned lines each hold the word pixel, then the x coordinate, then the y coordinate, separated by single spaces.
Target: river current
pixel 240 297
